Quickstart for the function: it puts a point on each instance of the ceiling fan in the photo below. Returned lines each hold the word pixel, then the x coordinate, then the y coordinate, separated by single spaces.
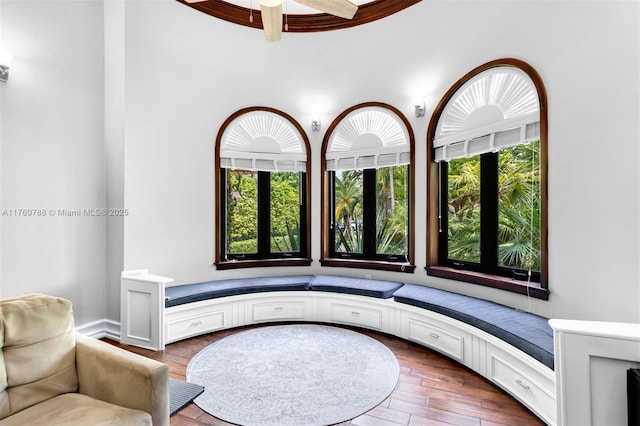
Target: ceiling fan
pixel 271 12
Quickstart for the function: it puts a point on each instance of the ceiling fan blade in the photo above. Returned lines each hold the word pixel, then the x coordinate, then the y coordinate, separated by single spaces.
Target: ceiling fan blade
pixel 342 8
pixel 272 22
pixel 194 1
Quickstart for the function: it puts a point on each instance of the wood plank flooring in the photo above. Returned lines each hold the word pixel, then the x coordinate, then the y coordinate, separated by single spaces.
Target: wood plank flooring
pixel 432 390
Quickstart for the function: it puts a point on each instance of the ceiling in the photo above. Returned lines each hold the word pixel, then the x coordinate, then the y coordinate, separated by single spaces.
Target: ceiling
pixel 288 6
pixel 304 19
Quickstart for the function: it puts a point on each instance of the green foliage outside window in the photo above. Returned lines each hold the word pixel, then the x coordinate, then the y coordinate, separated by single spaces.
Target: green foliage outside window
pixel 464 209
pixel 519 207
pixel 391 226
pixel 285 212
pixel 242 211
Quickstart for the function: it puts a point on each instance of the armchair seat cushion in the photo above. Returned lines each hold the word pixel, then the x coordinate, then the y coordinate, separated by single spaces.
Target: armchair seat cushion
pixel 74 409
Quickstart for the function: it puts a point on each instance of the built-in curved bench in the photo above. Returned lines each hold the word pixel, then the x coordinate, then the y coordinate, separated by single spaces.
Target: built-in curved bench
pixel 512 348
pixel 179 295
pixel 349 285
pixel 528 332
pixel 189 293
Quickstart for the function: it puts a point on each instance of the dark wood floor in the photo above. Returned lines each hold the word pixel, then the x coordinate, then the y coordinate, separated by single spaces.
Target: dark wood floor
pixel 432 390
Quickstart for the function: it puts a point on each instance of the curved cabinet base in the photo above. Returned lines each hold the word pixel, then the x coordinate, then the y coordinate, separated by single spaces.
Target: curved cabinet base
pixel 525 378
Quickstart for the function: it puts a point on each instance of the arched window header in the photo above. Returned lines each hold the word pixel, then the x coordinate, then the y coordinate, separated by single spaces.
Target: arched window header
pixel 368 137
pixel 262 140
pixel 495 109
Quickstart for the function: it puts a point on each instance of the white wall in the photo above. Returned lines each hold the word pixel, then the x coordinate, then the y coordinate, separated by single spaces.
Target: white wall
pixel 186 72
pixel 51 127
pixel 156 79
pixel 114 148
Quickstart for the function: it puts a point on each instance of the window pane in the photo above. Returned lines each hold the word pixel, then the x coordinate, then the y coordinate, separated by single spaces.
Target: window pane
pixel 392 216
pixel 519 207
pixel 348 211
pixel 242 212
pixel 464 209
pixel 285 212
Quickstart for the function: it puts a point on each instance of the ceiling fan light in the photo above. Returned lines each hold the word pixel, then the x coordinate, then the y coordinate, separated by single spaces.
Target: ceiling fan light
pixel 270 3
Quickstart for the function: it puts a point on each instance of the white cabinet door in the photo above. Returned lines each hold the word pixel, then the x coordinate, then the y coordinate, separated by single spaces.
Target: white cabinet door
pixel 193 319
pixel 142 309
pixel 439 333
pixel 273 307
pixel 531 386
pixel 369 313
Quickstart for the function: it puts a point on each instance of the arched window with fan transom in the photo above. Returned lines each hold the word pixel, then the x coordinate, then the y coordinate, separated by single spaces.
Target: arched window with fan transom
pixel 487 173
pixel 368 176
pixel 262 203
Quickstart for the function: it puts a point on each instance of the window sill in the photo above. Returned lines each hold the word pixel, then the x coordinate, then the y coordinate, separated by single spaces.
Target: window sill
pixel 503 283
pixel 260 263
pixel 369 264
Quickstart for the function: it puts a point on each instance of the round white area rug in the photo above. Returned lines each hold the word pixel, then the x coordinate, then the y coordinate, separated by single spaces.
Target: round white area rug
pixel 303 374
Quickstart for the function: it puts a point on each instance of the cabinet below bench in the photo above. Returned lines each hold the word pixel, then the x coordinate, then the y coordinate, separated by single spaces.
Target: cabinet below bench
pixel 524 377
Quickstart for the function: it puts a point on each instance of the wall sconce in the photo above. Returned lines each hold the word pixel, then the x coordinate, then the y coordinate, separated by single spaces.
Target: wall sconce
pixel 315 125
pixel 419 107
pixel 5 64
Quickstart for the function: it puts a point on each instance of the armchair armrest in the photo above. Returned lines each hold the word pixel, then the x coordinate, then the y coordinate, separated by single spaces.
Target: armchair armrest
pixel 123 378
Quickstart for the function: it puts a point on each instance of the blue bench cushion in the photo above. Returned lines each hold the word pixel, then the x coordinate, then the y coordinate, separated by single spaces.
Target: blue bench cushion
pixel 528 332
pixel 181 294
pixel 360 286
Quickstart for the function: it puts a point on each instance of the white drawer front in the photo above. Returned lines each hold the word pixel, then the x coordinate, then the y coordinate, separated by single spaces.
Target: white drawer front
pixel 437 338
pixel 519 381
pixel 199 324
pixel 356 315
pixel 278 311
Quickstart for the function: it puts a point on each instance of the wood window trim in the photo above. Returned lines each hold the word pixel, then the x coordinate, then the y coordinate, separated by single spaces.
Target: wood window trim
pixel 433 267
pixel 534 289
pixel 369 264
pixel 302 23
pixel 325 241
pixel 220 262
pixel 262 263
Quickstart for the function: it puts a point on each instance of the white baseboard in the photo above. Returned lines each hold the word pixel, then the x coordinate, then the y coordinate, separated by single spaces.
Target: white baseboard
pixel 101 329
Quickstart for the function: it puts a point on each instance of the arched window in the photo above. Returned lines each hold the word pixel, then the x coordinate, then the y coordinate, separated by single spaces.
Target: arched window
pixel 263 178
pixel 487 200
pixel 367 182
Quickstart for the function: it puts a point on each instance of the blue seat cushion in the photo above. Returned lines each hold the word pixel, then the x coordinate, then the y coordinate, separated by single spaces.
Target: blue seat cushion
pixel 181 294
pixel 360 286
pixel 528 332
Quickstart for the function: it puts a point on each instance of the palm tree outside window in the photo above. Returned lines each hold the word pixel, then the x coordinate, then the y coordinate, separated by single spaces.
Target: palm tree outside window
pixel 368 190
pixel 487 150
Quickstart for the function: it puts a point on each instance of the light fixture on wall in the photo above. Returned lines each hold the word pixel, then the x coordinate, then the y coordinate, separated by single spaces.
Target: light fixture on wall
pixel 419 107
pixel 5 64
pixel 315 125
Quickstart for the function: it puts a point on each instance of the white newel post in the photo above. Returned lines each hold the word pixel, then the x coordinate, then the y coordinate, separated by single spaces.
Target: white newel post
pixel 142 309
pixel 591 360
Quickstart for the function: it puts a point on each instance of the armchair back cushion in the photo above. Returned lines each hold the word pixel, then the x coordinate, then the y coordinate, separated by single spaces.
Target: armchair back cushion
pixel 37 351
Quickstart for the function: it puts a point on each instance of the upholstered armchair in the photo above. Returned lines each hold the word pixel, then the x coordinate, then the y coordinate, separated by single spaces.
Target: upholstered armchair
pixel 50 375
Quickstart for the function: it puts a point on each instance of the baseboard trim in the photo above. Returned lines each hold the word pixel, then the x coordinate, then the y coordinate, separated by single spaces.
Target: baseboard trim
pixel 101 329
